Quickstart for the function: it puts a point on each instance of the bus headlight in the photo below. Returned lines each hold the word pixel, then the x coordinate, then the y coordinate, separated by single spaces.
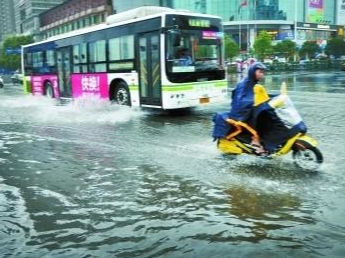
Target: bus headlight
pixel 177 96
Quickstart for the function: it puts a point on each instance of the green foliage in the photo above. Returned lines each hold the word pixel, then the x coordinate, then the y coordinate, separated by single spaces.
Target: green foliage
pixel 263 45
pixel 203 51
pixel 231 48
pixel 13 61
pixel 309 49
pixel 335 47
pixel 286 48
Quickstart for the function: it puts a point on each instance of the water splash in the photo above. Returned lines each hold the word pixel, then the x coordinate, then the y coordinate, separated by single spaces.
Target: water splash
pixel 85 111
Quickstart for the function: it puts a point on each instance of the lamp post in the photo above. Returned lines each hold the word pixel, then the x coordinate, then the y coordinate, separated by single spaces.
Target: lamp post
pixel 295 29
pixel 295 22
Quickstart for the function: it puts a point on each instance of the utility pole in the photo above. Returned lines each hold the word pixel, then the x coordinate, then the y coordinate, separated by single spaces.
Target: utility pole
pixel 295 28
pixel 295 22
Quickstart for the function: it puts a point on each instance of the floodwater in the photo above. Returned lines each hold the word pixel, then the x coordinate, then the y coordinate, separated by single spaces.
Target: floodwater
pixel 94 180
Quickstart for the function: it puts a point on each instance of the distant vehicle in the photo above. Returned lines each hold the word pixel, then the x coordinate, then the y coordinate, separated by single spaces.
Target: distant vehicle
pixel 1 82
pixel 150 57
pixel 17 78
pixel 303 64
pixel 320 56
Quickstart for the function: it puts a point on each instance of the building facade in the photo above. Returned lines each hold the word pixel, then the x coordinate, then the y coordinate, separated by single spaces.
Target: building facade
pixel 7 25
pixel 27 15
pixel 341 12
pixel 298 20
pixel 123 5
pixel 73 15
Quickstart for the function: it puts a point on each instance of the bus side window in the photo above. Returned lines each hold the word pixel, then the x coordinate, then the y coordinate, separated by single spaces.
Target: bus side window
pixel 97 56
pixel 50 64
pixel 37 62
pixel 121 53
pixel 28 64
pixel 80 58
pixel 76 59
pixel 114 49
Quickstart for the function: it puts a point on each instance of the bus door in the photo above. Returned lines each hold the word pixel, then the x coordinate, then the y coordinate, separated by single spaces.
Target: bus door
pixel 64 71
pixel 150 69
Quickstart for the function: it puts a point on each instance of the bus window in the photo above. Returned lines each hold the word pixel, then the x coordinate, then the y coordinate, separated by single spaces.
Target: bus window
pixel 121 48
pixel 127 47
pixel 28 64
pixel 50 61
pixel 198 51
pixel 97 56
pixel 114 49
pixel 37 61
pixel 80 58
pixel 121 51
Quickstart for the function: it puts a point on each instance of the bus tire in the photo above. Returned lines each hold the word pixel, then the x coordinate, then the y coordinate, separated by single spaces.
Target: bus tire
pixel 122 95
pixel 48 90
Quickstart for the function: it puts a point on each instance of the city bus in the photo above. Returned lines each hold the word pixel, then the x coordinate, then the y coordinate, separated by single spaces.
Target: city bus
pixel 147 57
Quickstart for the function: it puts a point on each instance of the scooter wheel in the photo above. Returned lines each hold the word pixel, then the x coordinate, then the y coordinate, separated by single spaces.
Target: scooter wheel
pixel 309 158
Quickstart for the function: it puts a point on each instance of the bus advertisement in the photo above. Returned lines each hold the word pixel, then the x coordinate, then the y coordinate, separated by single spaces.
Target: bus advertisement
pixel 150 57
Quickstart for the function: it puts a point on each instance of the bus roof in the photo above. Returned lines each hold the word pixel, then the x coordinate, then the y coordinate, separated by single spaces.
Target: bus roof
pixel 112 21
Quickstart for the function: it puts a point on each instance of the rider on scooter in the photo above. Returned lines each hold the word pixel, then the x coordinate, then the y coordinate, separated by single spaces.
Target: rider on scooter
pixel 242 105
pixel 252 105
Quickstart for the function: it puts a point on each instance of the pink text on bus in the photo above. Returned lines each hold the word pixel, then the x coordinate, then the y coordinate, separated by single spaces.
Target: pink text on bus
pixel 90 85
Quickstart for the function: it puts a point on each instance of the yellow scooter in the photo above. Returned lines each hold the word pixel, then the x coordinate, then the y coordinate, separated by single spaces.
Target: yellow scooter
pixel 304 149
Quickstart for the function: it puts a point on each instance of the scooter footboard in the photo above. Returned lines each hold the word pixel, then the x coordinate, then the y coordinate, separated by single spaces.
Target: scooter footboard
pixel 229 147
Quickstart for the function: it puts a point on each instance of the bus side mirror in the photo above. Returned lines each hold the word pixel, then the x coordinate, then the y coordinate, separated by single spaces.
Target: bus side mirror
pixel 175 36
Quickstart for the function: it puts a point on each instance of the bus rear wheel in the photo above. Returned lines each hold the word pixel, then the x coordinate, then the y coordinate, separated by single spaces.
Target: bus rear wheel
pixel 122 94
pixel 49 92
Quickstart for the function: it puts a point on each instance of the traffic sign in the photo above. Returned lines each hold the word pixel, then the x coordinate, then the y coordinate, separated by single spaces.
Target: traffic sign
pixel 13 51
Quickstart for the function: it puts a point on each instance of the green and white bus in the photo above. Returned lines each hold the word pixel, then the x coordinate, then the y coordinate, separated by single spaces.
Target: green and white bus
pixel 150 57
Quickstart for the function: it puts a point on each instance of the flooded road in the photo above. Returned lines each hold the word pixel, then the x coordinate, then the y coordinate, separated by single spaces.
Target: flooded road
pixel 94 180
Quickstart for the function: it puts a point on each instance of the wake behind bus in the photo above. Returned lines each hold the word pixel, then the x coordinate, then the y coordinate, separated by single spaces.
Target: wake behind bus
pixel 149 57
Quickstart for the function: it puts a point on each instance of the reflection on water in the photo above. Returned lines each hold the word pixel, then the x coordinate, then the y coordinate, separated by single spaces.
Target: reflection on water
pixel 95 180
pixel 265 212
pixel 332 82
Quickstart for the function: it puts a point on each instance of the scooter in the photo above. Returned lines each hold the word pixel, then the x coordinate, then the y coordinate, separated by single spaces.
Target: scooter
pixel 242 139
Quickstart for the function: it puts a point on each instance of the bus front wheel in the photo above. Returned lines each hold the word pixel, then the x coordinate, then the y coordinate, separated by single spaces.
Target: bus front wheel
pixel 122 94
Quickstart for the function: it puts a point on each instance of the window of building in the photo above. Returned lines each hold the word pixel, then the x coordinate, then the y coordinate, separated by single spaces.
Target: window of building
pixel 96 19
pixel 87 21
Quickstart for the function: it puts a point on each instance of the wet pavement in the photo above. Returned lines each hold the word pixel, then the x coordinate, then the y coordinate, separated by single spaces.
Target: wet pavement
pixel 95 180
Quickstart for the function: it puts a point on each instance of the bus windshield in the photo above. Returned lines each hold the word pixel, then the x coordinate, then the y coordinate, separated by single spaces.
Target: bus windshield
pixel 198 50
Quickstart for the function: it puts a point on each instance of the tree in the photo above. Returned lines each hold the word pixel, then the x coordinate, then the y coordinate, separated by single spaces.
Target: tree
pixel 231 48
pixel 286 48
pixel 13 61
pixel 335 47
pixel 309 49
pixel 263 45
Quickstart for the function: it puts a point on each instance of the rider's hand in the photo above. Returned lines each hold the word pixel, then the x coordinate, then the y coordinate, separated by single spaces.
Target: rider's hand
pixel 278 102
pixel 283 89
